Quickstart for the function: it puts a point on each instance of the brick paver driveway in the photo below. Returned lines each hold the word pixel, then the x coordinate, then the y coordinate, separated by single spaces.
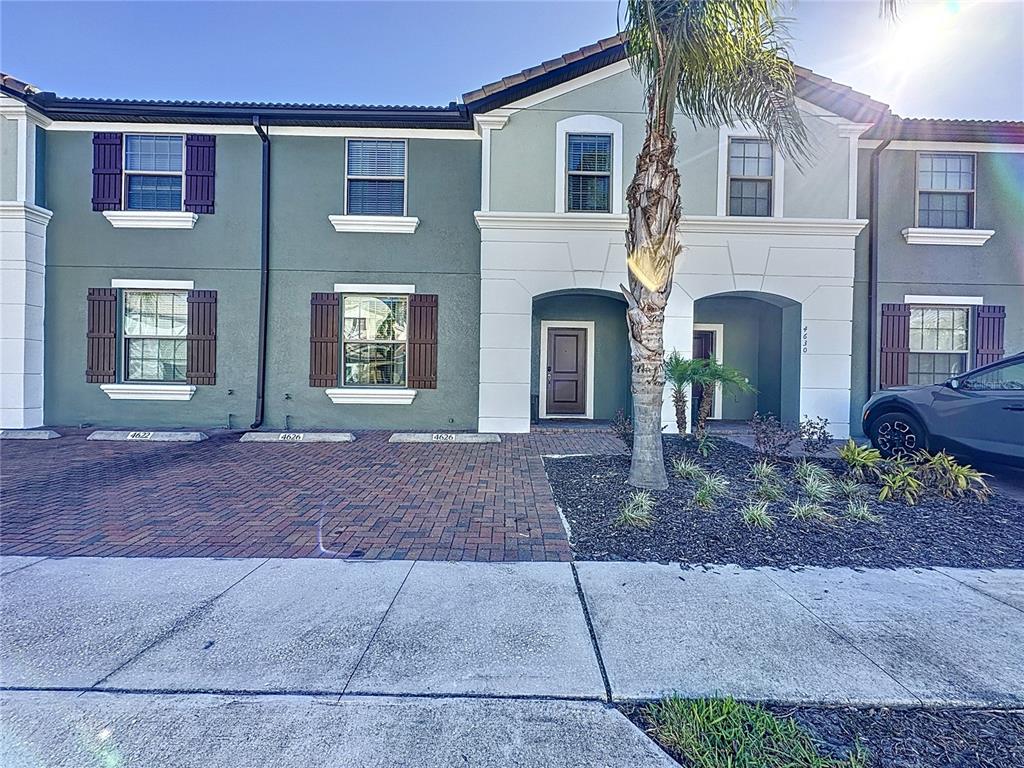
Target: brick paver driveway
pixel 222 498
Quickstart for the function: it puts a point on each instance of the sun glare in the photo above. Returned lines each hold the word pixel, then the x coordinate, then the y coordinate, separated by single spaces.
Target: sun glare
pixel 921 34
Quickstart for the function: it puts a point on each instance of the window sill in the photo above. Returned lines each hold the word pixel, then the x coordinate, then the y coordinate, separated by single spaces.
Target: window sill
pixel 370 396
pixel 151 219
pixel 149 391
pixel 938 236
pixel 379 224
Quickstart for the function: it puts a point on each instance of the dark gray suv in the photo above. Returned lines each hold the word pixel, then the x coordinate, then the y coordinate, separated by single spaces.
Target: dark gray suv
pixel 979 414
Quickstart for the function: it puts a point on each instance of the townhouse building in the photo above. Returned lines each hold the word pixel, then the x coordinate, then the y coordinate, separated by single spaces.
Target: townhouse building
pixel 289 266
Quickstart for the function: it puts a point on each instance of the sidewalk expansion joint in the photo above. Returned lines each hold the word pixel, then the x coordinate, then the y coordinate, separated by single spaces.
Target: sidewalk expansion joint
pixel 593 634
pixel 981 592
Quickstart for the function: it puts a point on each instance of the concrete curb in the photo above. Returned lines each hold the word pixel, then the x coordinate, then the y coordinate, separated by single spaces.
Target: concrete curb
pixel 28 434
pixel 297 437
pixel 443 437
pixel 148 437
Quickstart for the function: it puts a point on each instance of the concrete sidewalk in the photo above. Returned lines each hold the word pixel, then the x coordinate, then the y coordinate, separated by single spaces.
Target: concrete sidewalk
pixel 365 662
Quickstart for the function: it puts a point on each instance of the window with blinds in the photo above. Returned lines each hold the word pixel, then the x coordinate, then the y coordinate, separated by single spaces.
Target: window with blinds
pixel 375 177
pixel 945 190
pixel 153 172
pixel 589 169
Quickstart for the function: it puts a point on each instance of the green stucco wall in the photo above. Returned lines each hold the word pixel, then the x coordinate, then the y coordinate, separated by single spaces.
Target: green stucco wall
pixel 523 155
pixel 611 347
pixel 307 255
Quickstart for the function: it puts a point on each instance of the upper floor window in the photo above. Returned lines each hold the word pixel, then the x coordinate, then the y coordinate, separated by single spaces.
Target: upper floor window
pixel 374 340
pixel 589 172
pixel 945 190
pixel 751 170
pixel 938 343
pixel 375 177
pixel 153 172
pixel 155 331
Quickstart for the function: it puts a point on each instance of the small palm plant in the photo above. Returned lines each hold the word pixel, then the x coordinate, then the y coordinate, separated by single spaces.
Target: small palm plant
pixel 681 372
pixel 706 374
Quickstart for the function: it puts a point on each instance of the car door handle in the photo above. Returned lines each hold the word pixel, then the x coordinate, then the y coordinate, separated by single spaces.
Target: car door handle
pixel 1013 407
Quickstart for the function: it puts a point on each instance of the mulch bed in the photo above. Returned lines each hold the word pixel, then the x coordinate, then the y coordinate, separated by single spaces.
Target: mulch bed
pixel 905 738
pixel 935 532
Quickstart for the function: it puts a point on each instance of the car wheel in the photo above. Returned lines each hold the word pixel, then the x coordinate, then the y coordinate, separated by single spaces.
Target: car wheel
pixel 897 434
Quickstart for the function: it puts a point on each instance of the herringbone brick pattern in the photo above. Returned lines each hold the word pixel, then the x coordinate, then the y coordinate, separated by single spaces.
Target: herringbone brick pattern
pixel 221 498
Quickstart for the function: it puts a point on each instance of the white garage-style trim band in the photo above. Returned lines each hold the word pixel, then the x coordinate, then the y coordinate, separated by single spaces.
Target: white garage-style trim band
pixel 958 301
pixel 403 225
pixel 939 236
pixel 380 289
pixel 370 396
pixel 154 285
pixel 149 391
pixel 151 219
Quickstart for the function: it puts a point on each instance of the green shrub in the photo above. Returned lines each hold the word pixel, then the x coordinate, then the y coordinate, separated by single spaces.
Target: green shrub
pixel 808 510
pixel 857 509
pixel 849 488
pixel 755 514
pixel 817 489
pixel 900 481
pixel 712 486
pixel 686 468
pixel 705 445
pixel 770 491
pixel 949 478
pixel 724 733
pixel 636 511
pixel 862 461
pixel 764 471
pixel 805 470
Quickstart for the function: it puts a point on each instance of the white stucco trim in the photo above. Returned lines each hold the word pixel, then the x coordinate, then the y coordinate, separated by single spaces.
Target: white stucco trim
pixel 404 225
pixel 484 125
pixel 743 131
pixel 852 132
pixel 155 285
pixel 144 391
pixel 939 236
pixel 462 133
pixel 945 146
pixel 719 330
pixel 961 301
pixel 726 225
pixel 588 124
pixel 151 219
pixel 25 211
pixel 388 289
pixel 588 326
pixel 370 396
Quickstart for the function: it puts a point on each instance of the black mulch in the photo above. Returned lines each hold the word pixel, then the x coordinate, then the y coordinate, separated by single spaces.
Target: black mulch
pixel 964 533
pixel 906 738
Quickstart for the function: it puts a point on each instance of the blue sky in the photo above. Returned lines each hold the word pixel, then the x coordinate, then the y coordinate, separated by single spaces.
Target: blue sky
pixel 947 58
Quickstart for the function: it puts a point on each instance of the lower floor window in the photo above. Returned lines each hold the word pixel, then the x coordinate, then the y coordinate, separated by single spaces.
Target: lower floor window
pixel 155 331
pixel 374 340
pixel 938 344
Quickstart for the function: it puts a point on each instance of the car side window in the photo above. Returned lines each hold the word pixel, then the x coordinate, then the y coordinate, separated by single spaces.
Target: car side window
pixel 1003 377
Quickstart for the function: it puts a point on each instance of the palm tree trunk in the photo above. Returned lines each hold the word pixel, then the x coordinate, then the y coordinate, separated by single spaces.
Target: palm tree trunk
pixel 680 403
pixel 652 246
pixel 704 410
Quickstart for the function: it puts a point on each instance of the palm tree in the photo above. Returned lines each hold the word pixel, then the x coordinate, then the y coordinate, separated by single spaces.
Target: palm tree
pixel 717 61
pixel 682 373
pixel 706 374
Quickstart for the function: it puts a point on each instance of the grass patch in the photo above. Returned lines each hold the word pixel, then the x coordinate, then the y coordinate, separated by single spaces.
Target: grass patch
pixel 636 511
pixel 712 486
pixel 686 468
pixel 858 510
pixel 715 733
pixel 816 489
pixel 809 510
pixel 764 471
pixel 755 514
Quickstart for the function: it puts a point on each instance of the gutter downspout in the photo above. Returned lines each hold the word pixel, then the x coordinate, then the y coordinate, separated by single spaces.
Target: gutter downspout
pixel 873 188
pixel 261 361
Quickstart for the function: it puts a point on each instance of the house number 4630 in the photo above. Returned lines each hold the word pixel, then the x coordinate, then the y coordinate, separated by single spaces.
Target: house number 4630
pixel 804 340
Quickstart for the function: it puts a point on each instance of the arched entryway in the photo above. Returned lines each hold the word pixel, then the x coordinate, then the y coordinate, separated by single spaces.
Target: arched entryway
pixel 579 356
pixel 758 334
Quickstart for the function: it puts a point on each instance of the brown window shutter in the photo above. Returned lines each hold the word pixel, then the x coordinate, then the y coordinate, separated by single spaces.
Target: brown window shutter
pixel 323 340
pixel 201 367
pixel 988 334
pixel 422 359
pixel 101 336
pixel 895 345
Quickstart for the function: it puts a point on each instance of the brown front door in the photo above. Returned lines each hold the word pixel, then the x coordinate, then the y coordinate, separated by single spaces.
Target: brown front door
pixel 567 372
pixel 703 349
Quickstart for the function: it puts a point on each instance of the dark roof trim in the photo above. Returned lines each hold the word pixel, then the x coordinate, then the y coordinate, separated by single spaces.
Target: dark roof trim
pixel 454 116
pixel 933 129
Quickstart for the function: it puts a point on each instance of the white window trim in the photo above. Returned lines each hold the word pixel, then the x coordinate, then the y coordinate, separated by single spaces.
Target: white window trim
pixel 588 326
pixel 588 124
pixel 389 289
pixel 405 179
pixel 404 225
pixel 362 390
pixel 153 285
pixel 950 302
pixel 122 340
pixel 920 231
pixel 718 329
pixel 370 395
pixel 125 173
pixel 945 301
pixel 149 391
pixel 742 131
pixel 944 236
pixel 151 219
